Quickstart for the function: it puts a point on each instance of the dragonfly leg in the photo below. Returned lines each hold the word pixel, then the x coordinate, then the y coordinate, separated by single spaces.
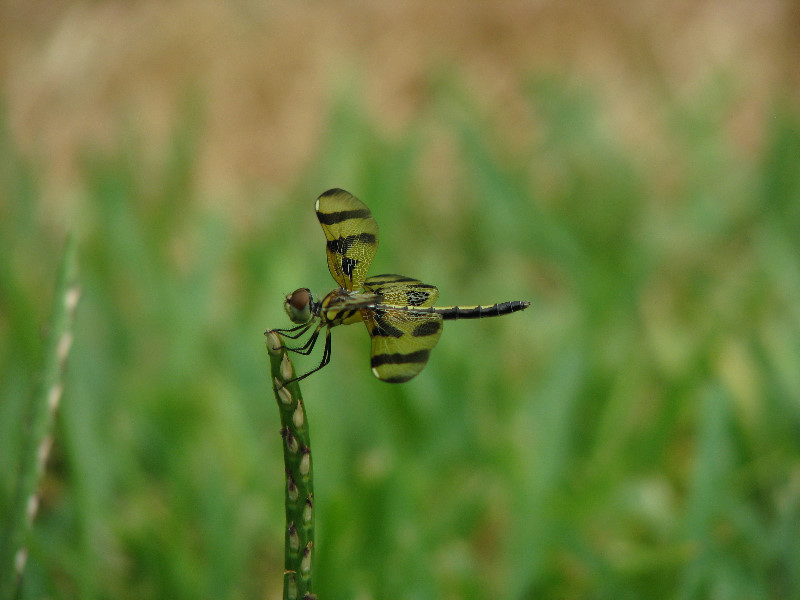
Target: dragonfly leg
pixel 306 348
pixel 326 357
pixel 295 332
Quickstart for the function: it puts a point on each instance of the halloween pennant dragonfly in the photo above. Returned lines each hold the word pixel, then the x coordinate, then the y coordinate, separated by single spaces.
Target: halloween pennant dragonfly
pixel 398 311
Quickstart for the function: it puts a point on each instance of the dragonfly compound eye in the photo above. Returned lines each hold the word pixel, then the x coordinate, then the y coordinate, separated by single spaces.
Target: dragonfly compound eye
pixel 298 305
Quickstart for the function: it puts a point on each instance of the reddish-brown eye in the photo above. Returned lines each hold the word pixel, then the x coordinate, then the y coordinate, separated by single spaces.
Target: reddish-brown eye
pixel 299 298
pixel 298 305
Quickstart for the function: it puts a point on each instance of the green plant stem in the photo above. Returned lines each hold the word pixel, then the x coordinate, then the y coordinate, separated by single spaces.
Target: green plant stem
pixel 299 489
pixel 38 439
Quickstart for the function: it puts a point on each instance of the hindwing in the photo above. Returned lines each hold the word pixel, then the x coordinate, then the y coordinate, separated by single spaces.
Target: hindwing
pixel 401 339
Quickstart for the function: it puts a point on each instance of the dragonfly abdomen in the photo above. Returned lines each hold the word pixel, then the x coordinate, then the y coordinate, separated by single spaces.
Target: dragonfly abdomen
pixel 469 312
pixel 479 312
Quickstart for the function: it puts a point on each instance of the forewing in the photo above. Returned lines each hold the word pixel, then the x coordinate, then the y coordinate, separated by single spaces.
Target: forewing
pixel 398 290
pixel 352 236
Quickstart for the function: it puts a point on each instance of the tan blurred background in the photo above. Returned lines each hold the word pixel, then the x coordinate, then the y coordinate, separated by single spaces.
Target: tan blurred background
pixel 75 75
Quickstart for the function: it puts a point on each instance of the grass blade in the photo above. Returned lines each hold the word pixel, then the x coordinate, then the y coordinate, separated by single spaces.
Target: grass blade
pixel 39 438
pixel 299 539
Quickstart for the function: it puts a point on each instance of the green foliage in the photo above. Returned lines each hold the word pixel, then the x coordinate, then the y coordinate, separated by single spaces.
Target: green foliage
pixel 632 434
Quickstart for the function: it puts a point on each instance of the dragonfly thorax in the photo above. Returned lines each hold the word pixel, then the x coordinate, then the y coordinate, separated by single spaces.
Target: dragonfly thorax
pixel 342 307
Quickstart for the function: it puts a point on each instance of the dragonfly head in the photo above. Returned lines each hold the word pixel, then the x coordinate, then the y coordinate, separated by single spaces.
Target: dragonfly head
pixel 298 305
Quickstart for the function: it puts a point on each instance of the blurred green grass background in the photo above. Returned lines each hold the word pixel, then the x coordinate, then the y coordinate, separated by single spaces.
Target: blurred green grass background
pixel 635 433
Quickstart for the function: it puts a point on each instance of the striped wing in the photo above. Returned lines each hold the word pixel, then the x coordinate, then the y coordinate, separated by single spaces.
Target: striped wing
pixel 401 340
pixel 352 236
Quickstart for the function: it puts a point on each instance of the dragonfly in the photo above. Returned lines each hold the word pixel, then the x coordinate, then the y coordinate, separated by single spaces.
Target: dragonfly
pixel 399 311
